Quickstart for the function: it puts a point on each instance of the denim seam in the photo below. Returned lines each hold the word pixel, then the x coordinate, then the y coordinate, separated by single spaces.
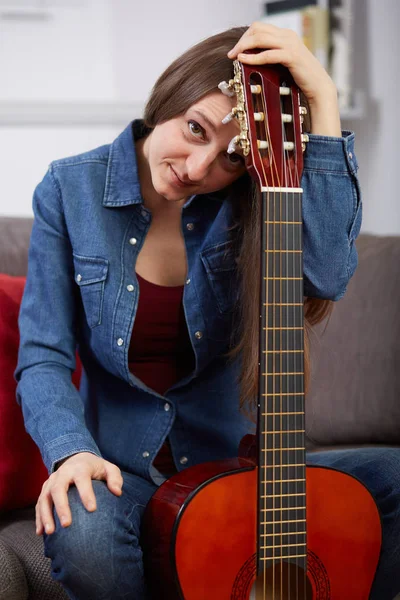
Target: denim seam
pixel 335 171
pixel 55 183
pixel 76 163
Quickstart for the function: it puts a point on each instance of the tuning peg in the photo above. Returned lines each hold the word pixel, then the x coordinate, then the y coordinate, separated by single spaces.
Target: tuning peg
pixel 233 114
pixel 232 144
pixel 287 118
pixel 304 140
pixel 227 88
pixel 303 110
pixel 284 91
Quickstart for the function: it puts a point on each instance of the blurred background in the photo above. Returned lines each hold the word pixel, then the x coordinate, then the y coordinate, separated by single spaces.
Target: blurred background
pixel 74 73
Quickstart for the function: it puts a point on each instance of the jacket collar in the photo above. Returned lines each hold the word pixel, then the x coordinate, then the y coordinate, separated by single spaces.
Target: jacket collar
pixel 122 181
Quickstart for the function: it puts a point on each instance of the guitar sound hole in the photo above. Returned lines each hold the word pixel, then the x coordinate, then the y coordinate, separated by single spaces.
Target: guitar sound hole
pixel 284 581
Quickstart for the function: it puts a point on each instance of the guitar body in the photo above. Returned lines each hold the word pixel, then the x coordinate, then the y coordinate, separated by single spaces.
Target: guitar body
pixel 200 537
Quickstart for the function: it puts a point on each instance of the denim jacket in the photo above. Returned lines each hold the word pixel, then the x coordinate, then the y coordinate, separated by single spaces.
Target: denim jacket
pixel 82 293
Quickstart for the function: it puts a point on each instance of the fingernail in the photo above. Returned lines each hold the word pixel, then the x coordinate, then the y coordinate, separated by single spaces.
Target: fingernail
pixel 63 520
pixel 47 528
pixel 231 52
pixel 91 506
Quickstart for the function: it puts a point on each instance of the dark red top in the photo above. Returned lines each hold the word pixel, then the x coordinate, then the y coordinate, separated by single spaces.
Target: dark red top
pixel 160 353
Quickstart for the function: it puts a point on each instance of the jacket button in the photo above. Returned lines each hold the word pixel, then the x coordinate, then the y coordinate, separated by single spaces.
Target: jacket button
pixel 190 226
pixel 187 281
pixel 79 277
pixel 130 288
pixel 120 342
pixel 198 335
pixel 350 155
pixel 146 454
pixel 183 460
pixel 133 241
pixel 167 407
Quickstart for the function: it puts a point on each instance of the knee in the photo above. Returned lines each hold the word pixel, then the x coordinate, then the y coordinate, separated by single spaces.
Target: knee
pixel 93 548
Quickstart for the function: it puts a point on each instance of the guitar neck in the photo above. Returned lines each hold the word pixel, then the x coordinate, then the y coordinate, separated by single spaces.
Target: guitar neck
pixel 281 514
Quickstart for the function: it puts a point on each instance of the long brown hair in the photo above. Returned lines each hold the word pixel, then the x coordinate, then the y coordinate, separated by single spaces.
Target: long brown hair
pixel 189 78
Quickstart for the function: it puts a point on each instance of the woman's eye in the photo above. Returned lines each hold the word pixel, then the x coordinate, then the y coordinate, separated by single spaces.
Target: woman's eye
pixel 196 129
pixel 235 159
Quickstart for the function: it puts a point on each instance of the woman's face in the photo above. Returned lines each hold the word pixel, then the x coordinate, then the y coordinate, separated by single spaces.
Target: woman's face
pixel 188 154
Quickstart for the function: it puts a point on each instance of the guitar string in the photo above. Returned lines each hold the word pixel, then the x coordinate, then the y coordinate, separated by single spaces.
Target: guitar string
pixel 270 218
pixel 300 359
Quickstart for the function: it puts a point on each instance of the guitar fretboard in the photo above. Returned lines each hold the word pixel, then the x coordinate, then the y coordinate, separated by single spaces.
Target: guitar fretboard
pixel 282 500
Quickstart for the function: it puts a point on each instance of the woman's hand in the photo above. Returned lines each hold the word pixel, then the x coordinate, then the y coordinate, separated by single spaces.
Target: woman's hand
pixel 283 46
pixel 78 469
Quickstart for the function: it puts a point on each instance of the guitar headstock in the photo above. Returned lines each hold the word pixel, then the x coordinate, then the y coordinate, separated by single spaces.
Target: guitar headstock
pixel 270 117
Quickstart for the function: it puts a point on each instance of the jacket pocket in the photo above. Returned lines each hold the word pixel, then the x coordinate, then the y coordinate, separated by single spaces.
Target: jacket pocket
pixel 90 275
pixel 221 268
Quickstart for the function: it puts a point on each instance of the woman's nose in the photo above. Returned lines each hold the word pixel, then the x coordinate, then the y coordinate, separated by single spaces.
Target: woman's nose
pixel 198 164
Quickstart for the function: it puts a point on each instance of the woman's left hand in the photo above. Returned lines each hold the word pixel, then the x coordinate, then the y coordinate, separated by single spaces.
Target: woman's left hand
pixel 283 46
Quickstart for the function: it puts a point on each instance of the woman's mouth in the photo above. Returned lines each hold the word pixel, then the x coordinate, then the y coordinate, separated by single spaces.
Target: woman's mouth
pixel 176 180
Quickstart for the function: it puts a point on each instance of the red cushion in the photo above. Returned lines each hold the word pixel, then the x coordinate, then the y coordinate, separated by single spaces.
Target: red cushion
pixel 22 471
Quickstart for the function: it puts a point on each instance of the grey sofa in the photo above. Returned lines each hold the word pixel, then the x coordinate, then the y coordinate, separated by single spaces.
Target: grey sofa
pixel 354 398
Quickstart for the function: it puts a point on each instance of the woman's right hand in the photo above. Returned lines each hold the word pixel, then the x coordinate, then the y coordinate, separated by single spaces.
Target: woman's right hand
pixel 78 469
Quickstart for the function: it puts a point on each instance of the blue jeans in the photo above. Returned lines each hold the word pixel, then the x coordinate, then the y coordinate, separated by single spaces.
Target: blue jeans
pixel 99 556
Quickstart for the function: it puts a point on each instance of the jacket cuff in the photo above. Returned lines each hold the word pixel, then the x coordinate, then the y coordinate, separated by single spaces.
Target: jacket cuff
pixel 66 446
pixel 326 153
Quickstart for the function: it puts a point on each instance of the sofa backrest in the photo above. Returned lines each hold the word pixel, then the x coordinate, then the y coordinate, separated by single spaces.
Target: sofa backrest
pixel 14 241
pixel 355 393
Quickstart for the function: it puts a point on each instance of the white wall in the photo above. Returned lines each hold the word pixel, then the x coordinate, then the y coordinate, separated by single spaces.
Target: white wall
pixel 104 51
pixel 376 70
pixel 131 43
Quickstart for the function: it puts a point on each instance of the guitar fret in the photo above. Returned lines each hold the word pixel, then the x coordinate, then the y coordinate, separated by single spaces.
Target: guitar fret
pixel 284 533
pixel 281 414
pixel 283 432
pixel 285 278
pixel 284 251
pixel 283 222
pixel 282 522
pixel 279 450
pixel 284 496
pixel 275 481
pixel 280 557
pixel 282 466
pixel 285 394
pixel 282 546
pixel 282 328
pixel 282 509
pixel 283 304
pixel 278 374
pixel 279 351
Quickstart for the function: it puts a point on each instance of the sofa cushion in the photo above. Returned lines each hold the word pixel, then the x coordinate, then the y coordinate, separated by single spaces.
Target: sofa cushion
pixel 17 532
pixel 22 471
pixel 13 585
pixel 355 391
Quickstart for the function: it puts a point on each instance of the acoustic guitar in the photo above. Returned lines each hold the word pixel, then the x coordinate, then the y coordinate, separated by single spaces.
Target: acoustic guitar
pixel 264 526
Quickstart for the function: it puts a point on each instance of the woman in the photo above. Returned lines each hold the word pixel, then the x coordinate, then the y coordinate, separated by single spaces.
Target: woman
pixel 157 211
